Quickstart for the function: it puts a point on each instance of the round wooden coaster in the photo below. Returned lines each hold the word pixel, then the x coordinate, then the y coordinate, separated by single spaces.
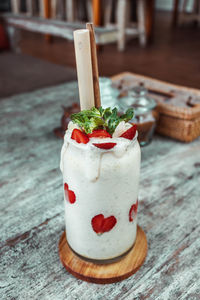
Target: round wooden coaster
pixel 104 273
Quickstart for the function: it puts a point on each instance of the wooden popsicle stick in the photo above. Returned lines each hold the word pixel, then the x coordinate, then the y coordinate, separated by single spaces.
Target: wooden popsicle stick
pixel 95 71
pixel 84 68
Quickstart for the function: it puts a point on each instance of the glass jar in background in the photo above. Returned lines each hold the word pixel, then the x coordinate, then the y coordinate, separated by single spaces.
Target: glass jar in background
pixel 109 94
pixel 145 116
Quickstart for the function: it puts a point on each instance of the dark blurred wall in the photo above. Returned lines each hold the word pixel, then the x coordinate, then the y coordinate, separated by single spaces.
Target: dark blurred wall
pixel 4 5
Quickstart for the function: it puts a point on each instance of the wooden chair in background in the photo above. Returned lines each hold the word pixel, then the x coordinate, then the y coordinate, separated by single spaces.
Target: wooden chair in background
pixel 101 12
pixel 181 15
pixel 126 28
pixel 61 17
pixel 31 7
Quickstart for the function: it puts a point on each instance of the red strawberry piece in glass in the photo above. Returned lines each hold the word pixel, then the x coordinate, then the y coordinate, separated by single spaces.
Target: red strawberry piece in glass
pixel 100 224
pixel 69 195
pixel 133 211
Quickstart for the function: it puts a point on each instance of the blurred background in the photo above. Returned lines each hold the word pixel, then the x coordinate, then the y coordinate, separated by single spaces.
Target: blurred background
pixel 158 38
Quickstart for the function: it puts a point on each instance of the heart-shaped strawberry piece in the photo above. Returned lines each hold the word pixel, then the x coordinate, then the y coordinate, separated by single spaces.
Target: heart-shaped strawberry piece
pixel 70 195
pixel 133 211
pixel 101 224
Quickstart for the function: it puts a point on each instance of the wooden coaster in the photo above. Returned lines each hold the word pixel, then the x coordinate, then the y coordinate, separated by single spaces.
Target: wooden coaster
pixel 104 273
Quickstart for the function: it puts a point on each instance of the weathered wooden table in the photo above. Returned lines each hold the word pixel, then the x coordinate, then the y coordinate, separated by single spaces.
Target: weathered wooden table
pixel 32 215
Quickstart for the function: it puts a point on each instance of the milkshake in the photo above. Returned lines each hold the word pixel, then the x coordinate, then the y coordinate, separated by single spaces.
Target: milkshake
pixel 100 162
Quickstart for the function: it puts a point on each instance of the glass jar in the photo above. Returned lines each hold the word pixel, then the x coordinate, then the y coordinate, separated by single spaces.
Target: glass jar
pixel 145 116
pixel 100 196
pixel 109 94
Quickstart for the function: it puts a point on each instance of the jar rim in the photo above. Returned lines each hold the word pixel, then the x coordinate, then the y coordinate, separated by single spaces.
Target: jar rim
pixel 90 146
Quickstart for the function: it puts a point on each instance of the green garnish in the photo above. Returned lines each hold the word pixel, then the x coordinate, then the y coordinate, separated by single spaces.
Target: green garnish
pixel 97 118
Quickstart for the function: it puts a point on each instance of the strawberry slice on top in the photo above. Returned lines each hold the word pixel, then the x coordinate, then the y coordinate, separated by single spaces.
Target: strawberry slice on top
pixel 105 146
pixel 130 133
pixel 79 136
pixel 99 133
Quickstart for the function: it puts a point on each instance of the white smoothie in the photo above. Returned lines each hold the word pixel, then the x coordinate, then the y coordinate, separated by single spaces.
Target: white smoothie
pixel 105 182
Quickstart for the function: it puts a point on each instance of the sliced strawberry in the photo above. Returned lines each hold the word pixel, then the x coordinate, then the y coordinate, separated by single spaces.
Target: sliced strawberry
pixel 99 133
pixel 97 223
pixel 65 186
pixel 66 190
pixel 70 195
pixel 79 136
pixel 130 133
pixel 109 223
pixel 133 211
pixel 101 224
pixel 105 145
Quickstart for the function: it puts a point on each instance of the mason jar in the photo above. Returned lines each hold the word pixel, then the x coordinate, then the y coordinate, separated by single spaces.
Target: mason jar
pixel 100 196
pixel 145 115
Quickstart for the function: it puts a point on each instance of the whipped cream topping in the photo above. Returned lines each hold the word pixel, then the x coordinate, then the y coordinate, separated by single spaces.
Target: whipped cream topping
pixel 93 155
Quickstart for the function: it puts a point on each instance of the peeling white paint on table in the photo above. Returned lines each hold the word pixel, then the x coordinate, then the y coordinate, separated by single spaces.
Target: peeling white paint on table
pixel 32 213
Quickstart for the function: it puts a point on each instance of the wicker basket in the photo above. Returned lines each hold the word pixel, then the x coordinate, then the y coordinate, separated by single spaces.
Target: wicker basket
pixel 180 129
pixel 181 123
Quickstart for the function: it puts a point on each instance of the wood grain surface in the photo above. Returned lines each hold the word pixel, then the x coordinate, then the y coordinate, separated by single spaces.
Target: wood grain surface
pixel 111 272
pixel 32 212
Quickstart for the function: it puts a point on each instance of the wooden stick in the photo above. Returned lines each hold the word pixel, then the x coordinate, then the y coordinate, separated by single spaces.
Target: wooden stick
pixel 84 68
pixel 95 71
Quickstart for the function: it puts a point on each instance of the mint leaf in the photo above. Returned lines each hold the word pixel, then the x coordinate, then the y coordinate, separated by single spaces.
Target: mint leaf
pixel 111 119
pixel 128 115
pixel 93 123
pixel 95 118
pixel 88 120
